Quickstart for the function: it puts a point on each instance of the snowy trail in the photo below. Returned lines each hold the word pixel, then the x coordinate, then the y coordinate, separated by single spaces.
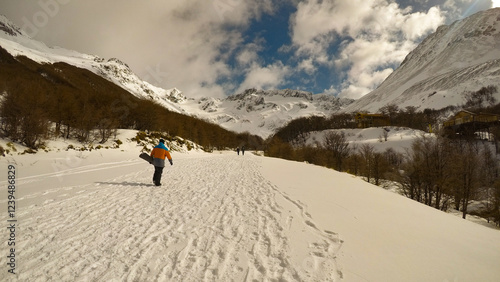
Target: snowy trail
pixel 216 218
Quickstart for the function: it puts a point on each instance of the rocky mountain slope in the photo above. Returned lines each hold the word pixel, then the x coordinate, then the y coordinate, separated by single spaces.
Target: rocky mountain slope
pixel 456 59
pixel 262 112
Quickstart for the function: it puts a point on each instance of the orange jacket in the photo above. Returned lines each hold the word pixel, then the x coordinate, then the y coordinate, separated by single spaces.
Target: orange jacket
pixel 159 154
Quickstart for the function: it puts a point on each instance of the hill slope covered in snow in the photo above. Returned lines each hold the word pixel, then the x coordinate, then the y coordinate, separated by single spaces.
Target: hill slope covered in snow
pixel 456 59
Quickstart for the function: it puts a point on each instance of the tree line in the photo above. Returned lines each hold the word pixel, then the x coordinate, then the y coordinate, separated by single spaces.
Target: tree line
pixel 441 172
pixel 42 101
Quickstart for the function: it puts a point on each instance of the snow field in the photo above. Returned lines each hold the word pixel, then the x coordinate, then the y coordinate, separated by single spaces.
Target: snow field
pixel 385 236
pixel 95 216
pixel 398 138
pixel 214 219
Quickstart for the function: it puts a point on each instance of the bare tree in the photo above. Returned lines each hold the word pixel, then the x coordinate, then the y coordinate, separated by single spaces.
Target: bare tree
pixel 411 178
pixel 379 168
pixel 495 212
pixel 385 133
pixel 336 143
pixel 465 168
pixel 428 175
pixel 477 100
pixel 23 115
pixel 391 111
pixel 367 152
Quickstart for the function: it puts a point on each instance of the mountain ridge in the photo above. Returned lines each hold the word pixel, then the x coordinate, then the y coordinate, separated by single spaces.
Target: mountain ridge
pixel 262 112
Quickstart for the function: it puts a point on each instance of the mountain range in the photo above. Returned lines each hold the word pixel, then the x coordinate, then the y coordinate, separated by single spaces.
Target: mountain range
pixel 456 59
pixel 254 111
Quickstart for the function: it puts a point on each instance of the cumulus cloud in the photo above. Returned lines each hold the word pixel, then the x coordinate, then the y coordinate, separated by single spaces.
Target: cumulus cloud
pixel 200 37
pixel 417 25
pixel 265 77
pixel 364 83
pixel 307 66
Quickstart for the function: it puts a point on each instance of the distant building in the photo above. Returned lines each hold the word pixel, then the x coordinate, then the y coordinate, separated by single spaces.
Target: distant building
pixel 469 123
pixel 365 120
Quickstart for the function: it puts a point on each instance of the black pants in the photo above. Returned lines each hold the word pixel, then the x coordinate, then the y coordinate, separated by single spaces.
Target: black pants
pixel 157 175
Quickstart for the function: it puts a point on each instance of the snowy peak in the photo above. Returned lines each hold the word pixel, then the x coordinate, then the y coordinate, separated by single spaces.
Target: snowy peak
pixel 297 97
pixel 456 59
pixel 175 95
pixel 252 92
pixel 255 100
pixel 8 28
pixel 261 112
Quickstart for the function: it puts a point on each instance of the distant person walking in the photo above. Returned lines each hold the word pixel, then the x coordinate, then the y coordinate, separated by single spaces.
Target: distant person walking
pixel 159 154
pixel 238 150
pixel 243 150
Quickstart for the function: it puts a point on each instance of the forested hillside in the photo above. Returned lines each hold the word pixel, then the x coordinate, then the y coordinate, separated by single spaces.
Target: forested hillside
pixel 41 101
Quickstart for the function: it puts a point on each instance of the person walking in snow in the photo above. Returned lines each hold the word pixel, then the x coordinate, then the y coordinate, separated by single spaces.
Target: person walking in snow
pixel 238 150
pixel 159 154
pixel 243 150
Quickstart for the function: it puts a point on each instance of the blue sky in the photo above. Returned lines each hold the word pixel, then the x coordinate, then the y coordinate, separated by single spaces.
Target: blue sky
pixel 222 47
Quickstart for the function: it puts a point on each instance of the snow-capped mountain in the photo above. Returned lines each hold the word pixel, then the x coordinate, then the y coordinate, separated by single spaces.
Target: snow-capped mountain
pixel 459 58
pixel 262 112
pixel 255 111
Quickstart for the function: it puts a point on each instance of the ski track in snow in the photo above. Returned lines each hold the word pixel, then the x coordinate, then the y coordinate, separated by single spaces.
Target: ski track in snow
pixel 214 219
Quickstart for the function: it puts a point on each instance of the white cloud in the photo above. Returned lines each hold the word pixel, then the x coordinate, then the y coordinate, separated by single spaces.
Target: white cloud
pixel 265 77
pixel 331 91
pixel 198 39
pixel 417 25
pixel 246 57
pixel 307 65
pixel 247 54
pixel 353 91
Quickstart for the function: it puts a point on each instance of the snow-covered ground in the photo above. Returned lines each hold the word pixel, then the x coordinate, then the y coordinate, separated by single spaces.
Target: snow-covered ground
pixel 398 138
pixel 95 216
